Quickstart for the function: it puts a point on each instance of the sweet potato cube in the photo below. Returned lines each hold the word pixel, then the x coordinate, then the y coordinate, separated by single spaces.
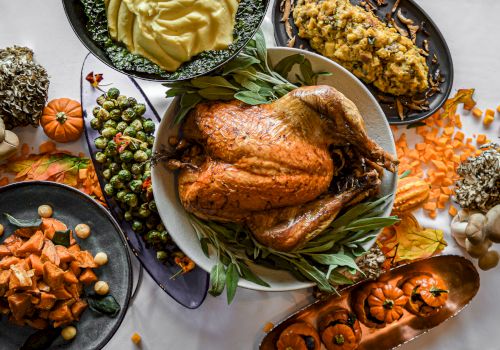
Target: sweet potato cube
pixel 19 304
pixel 4 281
pixel 61 313
pixel 36 264
pixel 13 243
pixel 84 259
pixel 88 276
pixel 61 294
pixel 49 253
pixel 4 251
pixel 53 275
pixel 78 308
pixel 53 223
pixel 73 266
pixel 75 290
pixel 25 232
pixel 69 277
pixel 33 245
pixel 47 301
pixel 7 261
pixel 64 255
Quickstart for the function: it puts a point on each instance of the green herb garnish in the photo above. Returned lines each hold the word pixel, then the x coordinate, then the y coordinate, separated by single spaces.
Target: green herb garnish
pixel 23 223
pixel 320 260
pixel 106 305
pixel 62 238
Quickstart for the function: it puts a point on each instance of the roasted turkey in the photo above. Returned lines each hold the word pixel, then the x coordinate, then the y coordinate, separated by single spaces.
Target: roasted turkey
pixel 284 169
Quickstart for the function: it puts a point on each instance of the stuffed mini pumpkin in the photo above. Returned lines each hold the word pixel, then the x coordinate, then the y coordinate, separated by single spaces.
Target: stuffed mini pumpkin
pixel 299 336
pixel 340 330
pixel 427 294
pixel 62 120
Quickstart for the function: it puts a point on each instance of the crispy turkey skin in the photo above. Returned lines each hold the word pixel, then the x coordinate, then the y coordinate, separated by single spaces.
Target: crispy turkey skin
pixel 270 166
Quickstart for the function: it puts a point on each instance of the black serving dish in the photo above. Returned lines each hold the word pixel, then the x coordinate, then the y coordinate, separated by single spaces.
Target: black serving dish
pixel 72 207
pixel 437 45
pixel 198 66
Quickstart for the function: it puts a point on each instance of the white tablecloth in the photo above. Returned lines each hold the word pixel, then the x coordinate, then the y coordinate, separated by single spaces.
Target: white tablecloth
pixel 472 32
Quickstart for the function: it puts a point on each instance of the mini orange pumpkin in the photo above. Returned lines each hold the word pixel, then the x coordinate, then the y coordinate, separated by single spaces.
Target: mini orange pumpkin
pixel 427 294
pixel 299 336
pixel 62 120
pixel 378 304
pixel 340 330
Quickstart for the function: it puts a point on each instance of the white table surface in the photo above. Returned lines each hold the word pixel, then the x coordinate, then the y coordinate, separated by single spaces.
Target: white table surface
pixel 472 32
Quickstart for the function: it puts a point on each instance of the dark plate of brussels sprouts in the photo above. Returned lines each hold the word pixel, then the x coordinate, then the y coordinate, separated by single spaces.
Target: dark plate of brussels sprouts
pixel 120 134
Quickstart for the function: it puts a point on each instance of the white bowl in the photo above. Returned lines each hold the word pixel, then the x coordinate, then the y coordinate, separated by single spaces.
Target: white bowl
pixel 176 219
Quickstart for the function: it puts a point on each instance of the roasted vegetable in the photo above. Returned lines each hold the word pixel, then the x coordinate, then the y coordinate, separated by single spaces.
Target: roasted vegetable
pixel 62 120
pixel 299 336
pixel 378 304
pixel 426 293
pixel 24 85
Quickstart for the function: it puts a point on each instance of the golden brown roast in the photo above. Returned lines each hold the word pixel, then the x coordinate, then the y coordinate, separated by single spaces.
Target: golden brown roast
pixel 274 167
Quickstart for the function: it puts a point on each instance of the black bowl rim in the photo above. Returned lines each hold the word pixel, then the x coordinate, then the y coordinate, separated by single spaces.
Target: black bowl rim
pixel 92 201
pixel 447 92
pixel 139 75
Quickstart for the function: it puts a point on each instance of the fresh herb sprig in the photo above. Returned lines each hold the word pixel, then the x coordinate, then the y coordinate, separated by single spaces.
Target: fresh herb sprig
pixel 321 260
pixel 250 78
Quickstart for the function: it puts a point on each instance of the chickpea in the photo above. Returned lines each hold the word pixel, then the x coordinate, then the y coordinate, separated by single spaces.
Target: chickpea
pixel 68 333
pixel 1 230
pixel 101 258
pixel 489 260
pixel 82 231
pixel 45 211
pixel 101 288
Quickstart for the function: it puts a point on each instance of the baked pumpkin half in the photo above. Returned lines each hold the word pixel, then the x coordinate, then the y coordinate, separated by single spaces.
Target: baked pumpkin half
pixel 378 304
pixel 426 293
pixel 340 330
pixel 299 336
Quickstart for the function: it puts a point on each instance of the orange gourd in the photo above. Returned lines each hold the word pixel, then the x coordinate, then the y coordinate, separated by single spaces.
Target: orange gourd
pixel 410 194
pixel 299 336
pixel 62 120
pixel 378 304
pixel 427 294
pixel 340 330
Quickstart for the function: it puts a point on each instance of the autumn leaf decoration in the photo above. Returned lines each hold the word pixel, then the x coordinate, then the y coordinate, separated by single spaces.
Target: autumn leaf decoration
pixel 408 241
pixel 54 165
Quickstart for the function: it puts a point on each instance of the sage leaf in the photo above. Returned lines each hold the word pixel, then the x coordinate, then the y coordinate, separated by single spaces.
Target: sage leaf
pixel 260 45
pixel 216 93
pixel 307 73
pixel 313 274
pixel 339 279
pixel 284 66
pixel 239 63
pixel 250 276
pixel 217 279
pixel 232 278
pixel 250 97
pixel 215 81
pixel 23 223
pixel 187 102
pixel 338 259
pixel 62 238
pixel 105 305
pixel 204 246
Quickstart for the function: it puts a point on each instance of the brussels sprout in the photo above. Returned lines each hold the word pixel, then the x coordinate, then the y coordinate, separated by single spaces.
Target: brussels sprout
pixel 144 146
pixel 112 145
pixel 128 115
pixel 101 99
pixel 153 237
pixel 122 103
pixel 160 227
pixel 116 114
pixel 106 173
pixel 95 110
pixel 161 255
pixel 128 216
pixel 121 126
pixel 113 93
pixel 136 124
pixel 136 169
pixel 110 124
pixel 129 131
pixel 126 166
pixel 150 139
pixel 116 182
pixel 135 186
pixel 140 109
pixel 152 206
pixel 126 156
pixel 108 105
pixel 141 135
pixel 132 101
pixel 144 211
pixel 114 167
pixel 108 133
pixel 120 196
pixel 149 126
pixel 140 156
pixel 100 157
pixel 149 152
pixel 124 175
pixel 96 124
pixel 164 236
pixel 109 189
pixel 101 142
pixel 110 152
pixel 137 226
pixel 103 114
pixel 131 200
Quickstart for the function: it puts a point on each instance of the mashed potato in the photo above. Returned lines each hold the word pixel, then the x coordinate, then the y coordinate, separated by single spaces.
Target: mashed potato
pixel 360 42
pixel 170 32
